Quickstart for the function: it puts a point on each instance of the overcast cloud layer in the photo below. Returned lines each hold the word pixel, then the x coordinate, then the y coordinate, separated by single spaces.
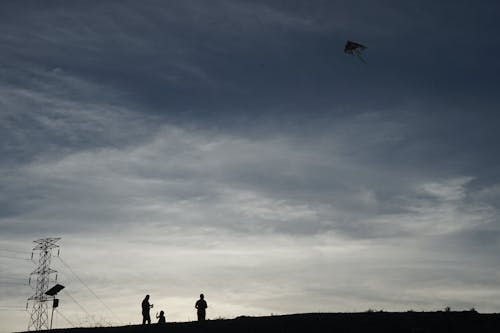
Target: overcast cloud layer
pixel 232 148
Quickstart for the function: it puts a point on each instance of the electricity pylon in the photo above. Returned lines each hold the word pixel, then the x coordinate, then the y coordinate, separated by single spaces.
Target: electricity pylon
pixel 39 316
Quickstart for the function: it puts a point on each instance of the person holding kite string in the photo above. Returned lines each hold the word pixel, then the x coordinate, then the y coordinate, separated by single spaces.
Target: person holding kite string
pixel 145 310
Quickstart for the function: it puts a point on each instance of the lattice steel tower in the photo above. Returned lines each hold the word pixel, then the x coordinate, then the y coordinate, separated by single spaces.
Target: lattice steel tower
pixel 39 316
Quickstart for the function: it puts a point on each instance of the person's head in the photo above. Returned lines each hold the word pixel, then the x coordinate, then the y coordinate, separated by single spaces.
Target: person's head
pixel 147 297
pixel 161 313
pixel 202 296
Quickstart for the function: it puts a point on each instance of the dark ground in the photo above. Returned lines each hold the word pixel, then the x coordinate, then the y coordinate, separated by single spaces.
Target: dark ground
pixel 411 322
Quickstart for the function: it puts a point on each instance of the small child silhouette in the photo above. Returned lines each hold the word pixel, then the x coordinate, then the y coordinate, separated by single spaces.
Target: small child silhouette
pixel 161 318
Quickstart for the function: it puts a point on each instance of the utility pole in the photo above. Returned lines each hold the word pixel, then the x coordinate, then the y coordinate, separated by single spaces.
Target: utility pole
pixel 39 316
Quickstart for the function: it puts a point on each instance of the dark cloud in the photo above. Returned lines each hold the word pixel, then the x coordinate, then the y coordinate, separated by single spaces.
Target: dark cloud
pixel 256 57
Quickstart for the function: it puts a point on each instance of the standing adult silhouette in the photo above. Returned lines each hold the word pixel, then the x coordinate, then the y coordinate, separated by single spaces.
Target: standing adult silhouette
pixel 201 306
pixel 145 310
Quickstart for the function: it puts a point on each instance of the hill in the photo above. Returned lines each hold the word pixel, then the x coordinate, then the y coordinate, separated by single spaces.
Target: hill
pixel 403 322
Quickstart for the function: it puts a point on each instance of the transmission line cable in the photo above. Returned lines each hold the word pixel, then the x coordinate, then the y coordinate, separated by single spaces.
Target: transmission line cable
pixel 14 283
pixel 64 317
pixel 10 257
pixel 90 290
pixel 12 251
pixel 76 302
pixel 10 278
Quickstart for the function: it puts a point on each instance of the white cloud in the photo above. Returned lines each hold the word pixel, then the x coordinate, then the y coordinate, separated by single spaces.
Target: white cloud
pixel 239 219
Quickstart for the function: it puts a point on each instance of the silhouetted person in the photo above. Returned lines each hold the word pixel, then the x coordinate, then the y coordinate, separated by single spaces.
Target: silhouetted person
pixel 145 310
pixel 201 306
pixel 161 318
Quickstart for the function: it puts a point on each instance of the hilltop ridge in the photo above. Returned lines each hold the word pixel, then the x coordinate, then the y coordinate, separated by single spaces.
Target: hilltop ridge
pixel 397 322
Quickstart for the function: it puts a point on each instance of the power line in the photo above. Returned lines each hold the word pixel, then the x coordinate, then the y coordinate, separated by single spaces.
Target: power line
pixel 76 302
pixel 11 308
pixel 13 276
pixel 66 319
pixel 14 283
pixel 88 288
pixel 13 251
pixel 10 257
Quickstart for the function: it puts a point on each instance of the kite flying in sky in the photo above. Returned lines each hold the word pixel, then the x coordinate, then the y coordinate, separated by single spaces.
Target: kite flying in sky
pixel 354 48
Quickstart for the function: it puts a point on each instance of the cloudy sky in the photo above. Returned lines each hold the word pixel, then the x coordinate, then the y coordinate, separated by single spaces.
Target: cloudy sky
pixel 230 147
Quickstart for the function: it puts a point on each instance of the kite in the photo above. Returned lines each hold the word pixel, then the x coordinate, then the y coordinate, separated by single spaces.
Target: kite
pixel 354 48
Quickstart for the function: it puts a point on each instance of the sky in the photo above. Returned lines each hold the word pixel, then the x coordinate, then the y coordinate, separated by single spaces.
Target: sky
pixel 232 148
